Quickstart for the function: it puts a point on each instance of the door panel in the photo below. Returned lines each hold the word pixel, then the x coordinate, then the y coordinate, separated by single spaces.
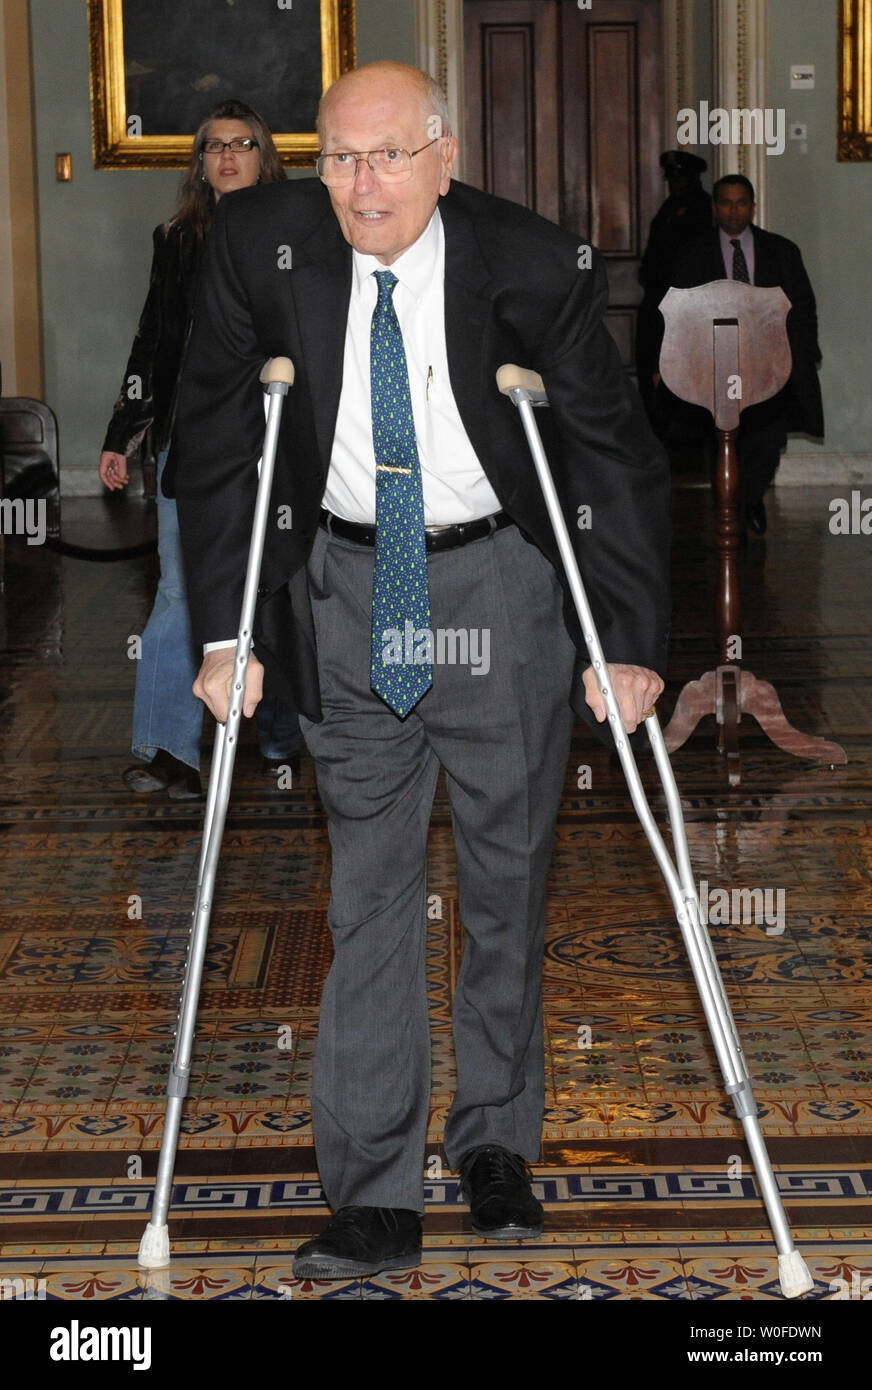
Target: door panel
pixel 512 101
pixel 563 115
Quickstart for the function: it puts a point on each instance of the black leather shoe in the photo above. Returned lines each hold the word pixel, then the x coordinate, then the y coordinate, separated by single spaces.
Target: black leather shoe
pixel 362 1240
pixel 757 518
pixel 497 1185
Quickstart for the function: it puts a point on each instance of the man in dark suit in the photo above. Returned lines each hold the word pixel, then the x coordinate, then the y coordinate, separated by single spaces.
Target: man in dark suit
pixel 737 250
pixel 398 294
pixel 686 213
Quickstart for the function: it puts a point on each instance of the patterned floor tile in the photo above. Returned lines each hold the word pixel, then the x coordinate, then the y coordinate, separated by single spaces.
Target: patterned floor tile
pixel 278 1282
pixel 527 1279
pixel 207 1281
pixel 633 1276
pixel 81 1285
pixel 88 994
pixel 443 1282
pixel 749 1276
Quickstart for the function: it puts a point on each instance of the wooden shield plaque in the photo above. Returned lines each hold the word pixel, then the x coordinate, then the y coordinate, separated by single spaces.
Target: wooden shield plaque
pixel 725 342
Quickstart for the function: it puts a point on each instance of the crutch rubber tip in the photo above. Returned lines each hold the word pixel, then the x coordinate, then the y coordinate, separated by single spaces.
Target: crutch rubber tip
pixel 510 377
pixel 278 369
pixel 793 1275
pixel 154 1248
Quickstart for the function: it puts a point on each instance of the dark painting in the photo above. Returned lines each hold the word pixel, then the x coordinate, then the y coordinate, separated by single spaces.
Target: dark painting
pixel 181 59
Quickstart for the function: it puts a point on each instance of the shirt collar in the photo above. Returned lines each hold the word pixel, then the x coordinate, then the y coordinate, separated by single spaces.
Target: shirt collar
pixel 745 240
pixel 415 268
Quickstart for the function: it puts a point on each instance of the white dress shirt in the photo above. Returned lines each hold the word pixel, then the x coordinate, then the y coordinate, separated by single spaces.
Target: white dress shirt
pixel 453 482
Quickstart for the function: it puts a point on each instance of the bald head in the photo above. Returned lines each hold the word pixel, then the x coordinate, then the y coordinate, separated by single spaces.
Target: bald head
pixel 397 79
pixel 387 106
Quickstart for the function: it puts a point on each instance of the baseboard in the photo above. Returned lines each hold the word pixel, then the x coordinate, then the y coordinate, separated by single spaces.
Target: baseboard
pixel 85 482
pixel 808 470
pixel 824 470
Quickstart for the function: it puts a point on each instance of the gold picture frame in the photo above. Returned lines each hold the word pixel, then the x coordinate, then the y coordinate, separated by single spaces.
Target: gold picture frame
pixel 855 80
pixel 320 48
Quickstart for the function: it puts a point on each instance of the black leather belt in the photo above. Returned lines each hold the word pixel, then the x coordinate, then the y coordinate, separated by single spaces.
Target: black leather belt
pixel 437 537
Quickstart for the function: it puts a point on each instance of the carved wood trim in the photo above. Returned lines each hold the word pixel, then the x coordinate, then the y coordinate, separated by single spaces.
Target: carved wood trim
pixel 439 30
pixel 741 51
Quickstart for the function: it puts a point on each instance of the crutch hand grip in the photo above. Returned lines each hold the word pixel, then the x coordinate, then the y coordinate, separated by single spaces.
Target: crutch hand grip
pixel 277 369
pixel 511 378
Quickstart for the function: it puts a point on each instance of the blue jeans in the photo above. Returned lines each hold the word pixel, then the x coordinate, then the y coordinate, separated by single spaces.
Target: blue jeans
pixel 166 714
pixel 278 729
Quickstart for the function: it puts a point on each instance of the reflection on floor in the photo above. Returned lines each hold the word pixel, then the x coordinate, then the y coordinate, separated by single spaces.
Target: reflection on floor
pixel 645 1175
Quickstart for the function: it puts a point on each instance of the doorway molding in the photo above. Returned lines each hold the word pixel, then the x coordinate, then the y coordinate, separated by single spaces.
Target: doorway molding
pixel 741 49
pixel 439 41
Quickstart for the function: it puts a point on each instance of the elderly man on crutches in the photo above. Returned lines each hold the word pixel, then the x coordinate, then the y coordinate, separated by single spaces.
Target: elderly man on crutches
pixel 418 527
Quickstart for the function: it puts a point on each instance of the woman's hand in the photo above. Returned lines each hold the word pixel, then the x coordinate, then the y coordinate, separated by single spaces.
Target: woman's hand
pixel 113 470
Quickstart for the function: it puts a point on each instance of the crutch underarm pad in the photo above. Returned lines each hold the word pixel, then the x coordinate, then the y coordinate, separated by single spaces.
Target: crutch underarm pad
pixel 277 369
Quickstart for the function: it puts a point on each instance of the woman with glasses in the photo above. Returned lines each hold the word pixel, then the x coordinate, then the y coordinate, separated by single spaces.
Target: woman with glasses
pixel 232 149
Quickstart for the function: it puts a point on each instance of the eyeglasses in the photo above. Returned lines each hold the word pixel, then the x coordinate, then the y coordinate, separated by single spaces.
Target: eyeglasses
pixel 390 164
pixel 238 146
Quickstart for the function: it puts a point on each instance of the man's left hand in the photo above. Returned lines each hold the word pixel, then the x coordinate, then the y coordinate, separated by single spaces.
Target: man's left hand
pixel 636 689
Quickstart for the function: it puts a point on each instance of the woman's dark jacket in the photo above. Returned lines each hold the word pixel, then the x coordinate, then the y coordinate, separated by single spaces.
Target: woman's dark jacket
pixel 143 415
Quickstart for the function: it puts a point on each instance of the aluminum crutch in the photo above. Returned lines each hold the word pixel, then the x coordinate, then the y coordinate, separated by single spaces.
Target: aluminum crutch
pixel 154 1248
pixel 526 389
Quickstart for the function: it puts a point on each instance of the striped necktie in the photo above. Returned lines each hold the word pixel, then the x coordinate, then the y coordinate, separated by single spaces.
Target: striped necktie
pixel 402 646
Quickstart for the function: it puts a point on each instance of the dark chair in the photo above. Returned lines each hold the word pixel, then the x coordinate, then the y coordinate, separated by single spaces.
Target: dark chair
pixel 29 459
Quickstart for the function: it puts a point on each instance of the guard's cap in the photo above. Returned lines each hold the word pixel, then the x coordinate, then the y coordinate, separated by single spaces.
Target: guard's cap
pixel 682 162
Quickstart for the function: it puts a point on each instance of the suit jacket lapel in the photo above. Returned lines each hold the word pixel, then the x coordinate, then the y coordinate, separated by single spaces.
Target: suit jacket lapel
pixel 321 287
pixel 765 272
pixel 468 295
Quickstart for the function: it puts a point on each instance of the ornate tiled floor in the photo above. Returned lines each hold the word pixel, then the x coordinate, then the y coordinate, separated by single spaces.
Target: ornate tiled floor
pixel 644 1173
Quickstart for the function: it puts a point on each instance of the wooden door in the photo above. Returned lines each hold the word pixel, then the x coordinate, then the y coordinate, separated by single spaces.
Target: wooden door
pixel 563 115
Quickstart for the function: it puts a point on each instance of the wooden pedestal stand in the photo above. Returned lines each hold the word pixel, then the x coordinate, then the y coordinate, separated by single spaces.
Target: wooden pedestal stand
pixel 740 330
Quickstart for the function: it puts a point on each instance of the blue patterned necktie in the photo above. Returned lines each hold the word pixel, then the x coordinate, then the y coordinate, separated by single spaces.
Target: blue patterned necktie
pixel 401 665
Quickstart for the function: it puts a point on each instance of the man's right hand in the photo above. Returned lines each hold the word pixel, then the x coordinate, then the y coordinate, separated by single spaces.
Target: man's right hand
pixel 212 685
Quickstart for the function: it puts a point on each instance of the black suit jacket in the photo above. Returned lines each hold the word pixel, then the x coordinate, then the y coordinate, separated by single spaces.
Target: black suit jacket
pixel 514 292
pixel 141 425
pixel 777 261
